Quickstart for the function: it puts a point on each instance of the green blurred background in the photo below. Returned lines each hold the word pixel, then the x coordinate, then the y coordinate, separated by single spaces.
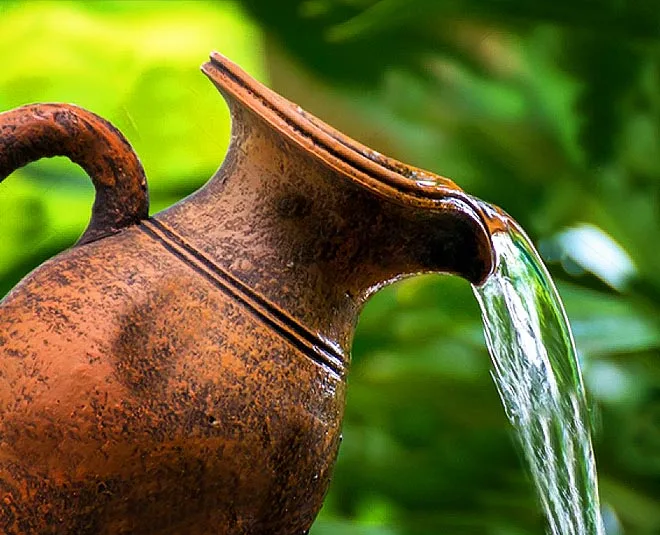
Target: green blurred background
pixel 550 109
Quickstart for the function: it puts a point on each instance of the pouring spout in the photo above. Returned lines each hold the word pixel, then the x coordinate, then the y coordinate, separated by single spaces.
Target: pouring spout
pixel 428 222
pixel 315 222
pixel 454 238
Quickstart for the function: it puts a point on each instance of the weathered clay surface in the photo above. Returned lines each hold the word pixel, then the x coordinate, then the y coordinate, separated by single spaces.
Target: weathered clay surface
pixel 138 398
pixel 186 373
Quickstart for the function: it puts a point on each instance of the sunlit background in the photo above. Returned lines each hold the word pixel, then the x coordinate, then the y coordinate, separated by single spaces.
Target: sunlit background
pixel 550 109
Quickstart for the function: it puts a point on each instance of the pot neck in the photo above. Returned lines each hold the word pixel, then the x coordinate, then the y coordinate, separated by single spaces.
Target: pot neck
pixel 310 228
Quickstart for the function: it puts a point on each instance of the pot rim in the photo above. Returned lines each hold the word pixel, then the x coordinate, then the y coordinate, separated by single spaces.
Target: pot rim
pixel 389 177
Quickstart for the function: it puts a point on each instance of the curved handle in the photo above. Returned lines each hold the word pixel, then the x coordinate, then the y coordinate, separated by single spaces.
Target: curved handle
pixel 40 131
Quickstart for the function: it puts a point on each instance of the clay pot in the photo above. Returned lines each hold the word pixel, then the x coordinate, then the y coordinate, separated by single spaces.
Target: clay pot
pixel 185 373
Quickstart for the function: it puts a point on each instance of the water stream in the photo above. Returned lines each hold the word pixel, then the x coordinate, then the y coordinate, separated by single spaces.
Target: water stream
pixel 538 378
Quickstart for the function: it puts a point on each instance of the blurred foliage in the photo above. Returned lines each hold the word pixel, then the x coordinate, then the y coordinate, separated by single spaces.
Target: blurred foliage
pixel 550 109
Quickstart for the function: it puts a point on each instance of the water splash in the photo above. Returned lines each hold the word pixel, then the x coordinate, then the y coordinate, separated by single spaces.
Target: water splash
pixel 539 381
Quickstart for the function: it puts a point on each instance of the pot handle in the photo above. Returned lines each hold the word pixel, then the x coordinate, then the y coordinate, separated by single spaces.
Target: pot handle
pixel 37 131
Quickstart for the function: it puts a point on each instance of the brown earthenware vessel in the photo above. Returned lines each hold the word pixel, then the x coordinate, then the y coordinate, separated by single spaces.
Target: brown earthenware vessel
pixel 185 373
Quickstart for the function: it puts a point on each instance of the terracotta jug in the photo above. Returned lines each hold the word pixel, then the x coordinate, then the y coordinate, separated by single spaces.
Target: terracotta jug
pixel 185 373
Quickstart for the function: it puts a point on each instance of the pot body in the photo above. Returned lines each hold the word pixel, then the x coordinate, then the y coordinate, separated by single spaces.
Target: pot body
pixel 139 395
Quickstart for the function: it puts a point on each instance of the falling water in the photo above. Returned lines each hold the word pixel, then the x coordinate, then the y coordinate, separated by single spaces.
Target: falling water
pixel 539 381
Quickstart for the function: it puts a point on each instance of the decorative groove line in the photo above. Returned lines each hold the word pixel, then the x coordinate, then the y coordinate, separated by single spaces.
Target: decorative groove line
pixel 304 340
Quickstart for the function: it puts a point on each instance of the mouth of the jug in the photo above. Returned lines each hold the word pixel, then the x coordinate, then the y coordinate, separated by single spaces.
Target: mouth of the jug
pixel 384 176
pixel 380 171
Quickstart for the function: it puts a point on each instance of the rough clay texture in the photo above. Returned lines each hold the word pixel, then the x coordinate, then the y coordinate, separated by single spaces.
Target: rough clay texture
pixel 186 373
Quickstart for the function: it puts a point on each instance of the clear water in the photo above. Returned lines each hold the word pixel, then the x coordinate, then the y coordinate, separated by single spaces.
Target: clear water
pixel 538 378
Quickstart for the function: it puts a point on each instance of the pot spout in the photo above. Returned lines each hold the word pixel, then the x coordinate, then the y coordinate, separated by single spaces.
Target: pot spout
pixel 314 222
pixel 428 222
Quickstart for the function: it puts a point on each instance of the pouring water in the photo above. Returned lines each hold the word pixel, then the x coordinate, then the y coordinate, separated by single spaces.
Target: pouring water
pixel 538 378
